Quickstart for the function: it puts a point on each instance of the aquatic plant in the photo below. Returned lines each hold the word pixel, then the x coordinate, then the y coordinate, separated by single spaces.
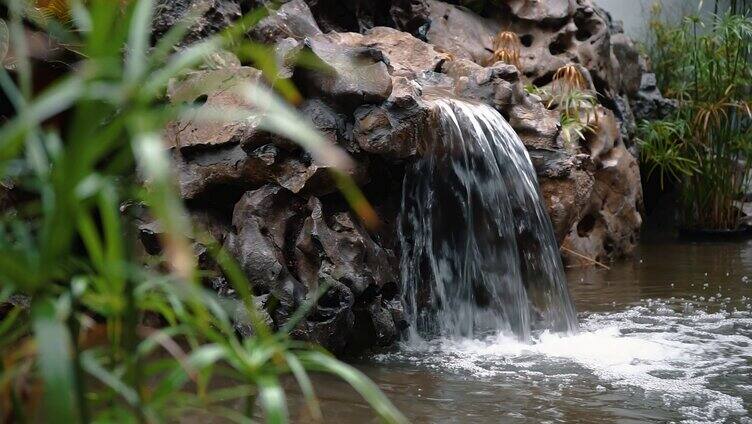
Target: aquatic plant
pixel 663 144
pixel 706 145
pixel 89 332
pixel 569 93
pixel 506 47
pixel 569 78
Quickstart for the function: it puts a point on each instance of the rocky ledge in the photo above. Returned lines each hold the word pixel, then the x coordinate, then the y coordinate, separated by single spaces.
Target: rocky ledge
pixel 279 212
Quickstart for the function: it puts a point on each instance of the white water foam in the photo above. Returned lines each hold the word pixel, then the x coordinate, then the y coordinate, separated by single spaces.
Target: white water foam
pixel 683 358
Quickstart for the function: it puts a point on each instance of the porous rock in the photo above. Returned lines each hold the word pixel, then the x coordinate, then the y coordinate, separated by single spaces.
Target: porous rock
pixel 291 232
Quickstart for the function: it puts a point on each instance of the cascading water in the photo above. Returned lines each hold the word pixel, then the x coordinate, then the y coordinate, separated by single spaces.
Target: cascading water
pixel 479 254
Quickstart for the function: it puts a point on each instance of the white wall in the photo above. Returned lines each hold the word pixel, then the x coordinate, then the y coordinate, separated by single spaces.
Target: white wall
pixel 636 13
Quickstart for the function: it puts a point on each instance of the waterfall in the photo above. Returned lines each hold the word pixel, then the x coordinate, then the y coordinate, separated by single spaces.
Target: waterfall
pixel 478 251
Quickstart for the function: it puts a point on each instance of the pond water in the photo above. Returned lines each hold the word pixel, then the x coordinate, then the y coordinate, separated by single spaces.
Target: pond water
pixel 664 337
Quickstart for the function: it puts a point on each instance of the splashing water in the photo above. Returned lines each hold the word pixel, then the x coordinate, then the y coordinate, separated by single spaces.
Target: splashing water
pixel 664 337
pixel 479 254
pixel 697 364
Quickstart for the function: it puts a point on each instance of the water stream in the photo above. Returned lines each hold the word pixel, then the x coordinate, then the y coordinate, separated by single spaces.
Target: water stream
pixel 479 254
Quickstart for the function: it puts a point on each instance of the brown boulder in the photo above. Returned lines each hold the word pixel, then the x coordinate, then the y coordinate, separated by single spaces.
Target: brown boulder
pixel 212 93
pixel 353 74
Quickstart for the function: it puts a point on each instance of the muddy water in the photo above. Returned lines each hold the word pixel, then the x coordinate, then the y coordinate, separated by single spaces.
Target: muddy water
pixel 665 337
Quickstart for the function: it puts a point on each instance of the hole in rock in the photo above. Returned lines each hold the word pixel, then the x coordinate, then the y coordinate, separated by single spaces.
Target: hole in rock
pixel 260 290
pixel 557 47
pixel 219 200
pixel 390 291
pixel 544 80
pixel 331 299
pixel 527 40
pixel 369 294
pixel 586 225
pixel 582 34
pixel 200 100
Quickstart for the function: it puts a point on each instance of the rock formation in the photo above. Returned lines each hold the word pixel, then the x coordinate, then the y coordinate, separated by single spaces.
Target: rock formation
pixel 280 214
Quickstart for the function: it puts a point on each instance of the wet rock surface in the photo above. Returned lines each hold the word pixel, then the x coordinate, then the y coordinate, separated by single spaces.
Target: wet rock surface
pixel 381 64
pixel 208 16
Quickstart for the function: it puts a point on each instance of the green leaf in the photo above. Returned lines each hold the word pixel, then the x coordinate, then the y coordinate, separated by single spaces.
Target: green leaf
pixel 54 350
pixel 53 101
pixel 280 118
pixel 81 16
pixel 272 399
pixel 9 89
pixel 91 364
pixel 17 271
pixel 186 59
pixel 306 387
pixel 171 38
pixel 138 40
pixel 370 392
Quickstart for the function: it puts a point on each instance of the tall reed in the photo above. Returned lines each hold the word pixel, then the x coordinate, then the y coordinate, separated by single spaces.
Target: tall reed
pixel 707 68
pixel 89 332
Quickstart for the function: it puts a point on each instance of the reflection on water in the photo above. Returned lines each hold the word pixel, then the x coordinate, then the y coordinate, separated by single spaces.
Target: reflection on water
pixel 666 337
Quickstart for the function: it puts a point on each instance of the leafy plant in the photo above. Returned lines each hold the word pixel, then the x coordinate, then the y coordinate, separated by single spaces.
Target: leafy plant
pixel 569 94
pixel 506 47
pixel 706 145
pixel 105 338
pixel 664 146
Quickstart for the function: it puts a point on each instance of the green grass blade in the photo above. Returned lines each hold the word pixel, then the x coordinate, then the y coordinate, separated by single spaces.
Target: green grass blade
pixel 16 271
pixel 54 349
pixel 306 387
pixel 186 59
pixel 81 16
pixel 174 35
pixel 272 399
pixel 53 101
pixel 370 392
pixel 9 88
pixel 306 307
pixel 138 40
pixel 92 365
pixel 282 119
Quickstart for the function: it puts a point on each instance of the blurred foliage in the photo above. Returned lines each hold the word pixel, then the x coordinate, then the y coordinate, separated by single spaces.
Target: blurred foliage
pixel 706 145
pixel 88 332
